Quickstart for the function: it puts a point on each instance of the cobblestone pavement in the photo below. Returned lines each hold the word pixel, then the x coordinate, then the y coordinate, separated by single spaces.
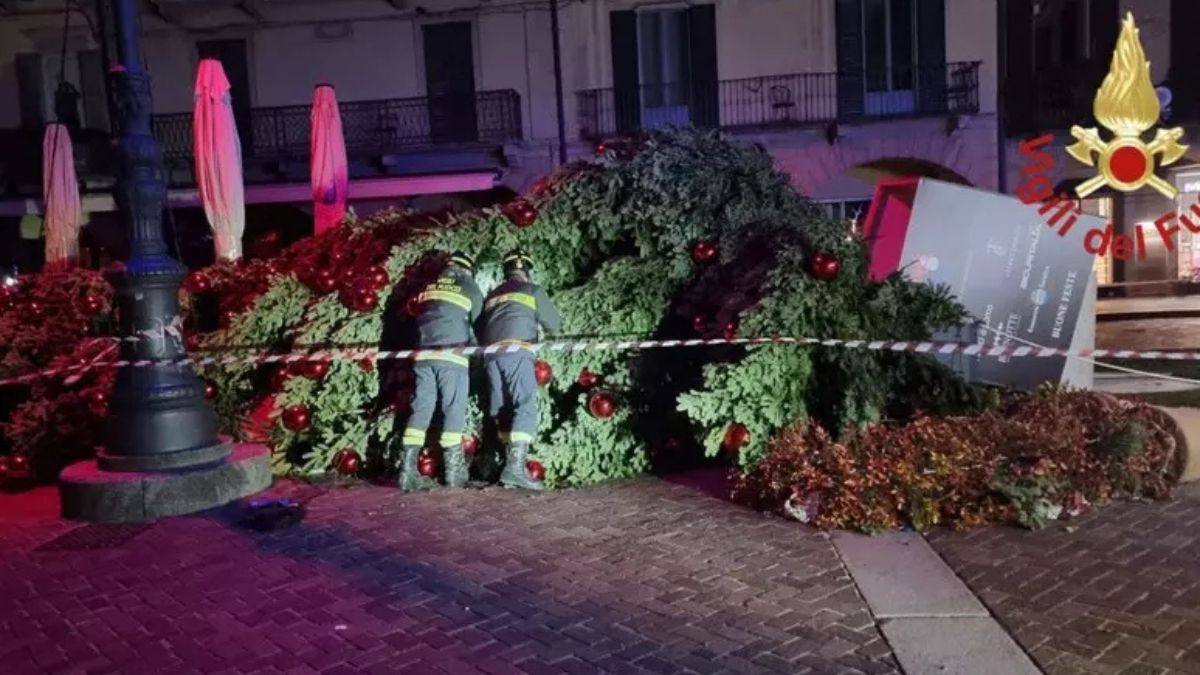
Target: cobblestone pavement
pixel 1118 595
pixel 638 577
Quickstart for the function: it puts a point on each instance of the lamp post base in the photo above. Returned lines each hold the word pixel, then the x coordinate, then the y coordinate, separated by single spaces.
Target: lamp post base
pixel 170 461
pixel 92 494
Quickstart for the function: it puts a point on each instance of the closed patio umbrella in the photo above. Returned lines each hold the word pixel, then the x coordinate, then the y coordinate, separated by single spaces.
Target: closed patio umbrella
pixel 327 152
pixel 60 191
pixel 219 160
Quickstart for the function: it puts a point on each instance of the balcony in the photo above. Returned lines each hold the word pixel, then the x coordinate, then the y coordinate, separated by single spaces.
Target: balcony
pixel 383 137
pixel 776 101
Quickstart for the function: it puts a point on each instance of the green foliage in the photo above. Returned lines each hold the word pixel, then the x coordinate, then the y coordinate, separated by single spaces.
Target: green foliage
pixel 612 243
pixel 266 327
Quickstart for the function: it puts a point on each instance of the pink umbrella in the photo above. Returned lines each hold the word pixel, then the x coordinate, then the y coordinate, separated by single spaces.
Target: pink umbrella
pixel 219 160
pixel 328 151
pixel 60 191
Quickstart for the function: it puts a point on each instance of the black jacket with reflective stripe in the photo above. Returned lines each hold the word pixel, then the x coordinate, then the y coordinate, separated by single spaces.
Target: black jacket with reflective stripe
pixel 449 308
pixel 514 310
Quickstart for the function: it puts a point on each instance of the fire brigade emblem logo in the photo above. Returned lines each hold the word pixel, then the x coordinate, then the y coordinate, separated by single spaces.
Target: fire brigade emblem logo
pixel 1126 105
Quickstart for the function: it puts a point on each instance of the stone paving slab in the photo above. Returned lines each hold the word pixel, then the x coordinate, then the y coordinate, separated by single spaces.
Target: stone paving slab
pixel 1116 592
pixel 960 646
pixel 634 577
pixel 900 575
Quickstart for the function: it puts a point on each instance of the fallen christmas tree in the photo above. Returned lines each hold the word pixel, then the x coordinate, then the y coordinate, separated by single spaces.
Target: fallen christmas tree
pixel 673 236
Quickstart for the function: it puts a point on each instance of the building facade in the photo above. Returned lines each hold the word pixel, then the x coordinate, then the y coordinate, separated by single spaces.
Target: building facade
pixel 840 92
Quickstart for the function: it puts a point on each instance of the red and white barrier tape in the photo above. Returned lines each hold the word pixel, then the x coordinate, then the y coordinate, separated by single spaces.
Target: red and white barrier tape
pixel 920 347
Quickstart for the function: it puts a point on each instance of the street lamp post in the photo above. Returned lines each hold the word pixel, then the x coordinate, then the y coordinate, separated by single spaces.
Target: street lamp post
pixel 159 419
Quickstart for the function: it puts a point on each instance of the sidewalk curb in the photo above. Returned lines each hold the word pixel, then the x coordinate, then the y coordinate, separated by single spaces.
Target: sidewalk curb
pixel 933 622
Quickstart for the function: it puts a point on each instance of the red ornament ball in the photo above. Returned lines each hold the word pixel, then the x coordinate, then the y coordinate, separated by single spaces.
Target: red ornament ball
pixel 35 309
pixel 366 364
pixel 587 379
pixel 736 435
pixel 730 331
pixel 347 462
pixel 227 317
pixel 18 467
pixel 426 464
pixel 324 282
pixel 824 266
pixel 364 299
pixel 470 445
pixel 699 323
pixel 197 282
pixel 542 372
pixel 413 306
pixel 704 251
pixel 314 370
pixel 92 304
pixel 210 389
pixel 336 256
pixel 297 417
pixel 521 213
pixel 377 277
pixel 602 405
pixel 535 469
pixel 278 377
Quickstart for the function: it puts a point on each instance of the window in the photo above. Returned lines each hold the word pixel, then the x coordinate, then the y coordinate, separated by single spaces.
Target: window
pixel 664 66
pixel 889 54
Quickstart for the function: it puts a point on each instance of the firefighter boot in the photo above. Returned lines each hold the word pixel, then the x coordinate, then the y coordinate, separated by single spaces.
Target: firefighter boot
pixel 411 479
pixel 457 469
pixel 515 475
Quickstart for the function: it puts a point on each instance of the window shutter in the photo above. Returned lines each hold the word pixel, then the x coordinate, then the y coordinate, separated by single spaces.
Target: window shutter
pixel 627 100
pixel 705 98
pixel 30 93
pixel 851 87
pixel 91 84
pixel 1017 70
pixel 931 56
pixel 1184 76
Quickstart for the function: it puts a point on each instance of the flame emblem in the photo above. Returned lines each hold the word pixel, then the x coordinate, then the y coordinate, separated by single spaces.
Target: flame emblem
pixel 1127 106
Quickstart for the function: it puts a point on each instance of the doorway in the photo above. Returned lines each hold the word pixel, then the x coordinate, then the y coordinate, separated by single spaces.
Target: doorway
pixel 234 60
pixel 450 82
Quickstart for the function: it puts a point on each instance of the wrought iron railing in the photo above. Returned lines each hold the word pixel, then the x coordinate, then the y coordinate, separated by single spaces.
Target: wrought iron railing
pixel 784 100
pixel 369 127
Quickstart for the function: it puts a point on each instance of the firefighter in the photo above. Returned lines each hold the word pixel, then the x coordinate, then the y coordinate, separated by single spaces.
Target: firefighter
pixel 512 314
pixel 446 311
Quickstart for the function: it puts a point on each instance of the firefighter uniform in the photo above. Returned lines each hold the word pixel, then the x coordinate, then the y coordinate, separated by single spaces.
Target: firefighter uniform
pixel 448 308
pixel 512 314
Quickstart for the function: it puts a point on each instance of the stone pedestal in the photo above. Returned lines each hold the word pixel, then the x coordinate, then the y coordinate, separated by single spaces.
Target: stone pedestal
pixel 90 494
